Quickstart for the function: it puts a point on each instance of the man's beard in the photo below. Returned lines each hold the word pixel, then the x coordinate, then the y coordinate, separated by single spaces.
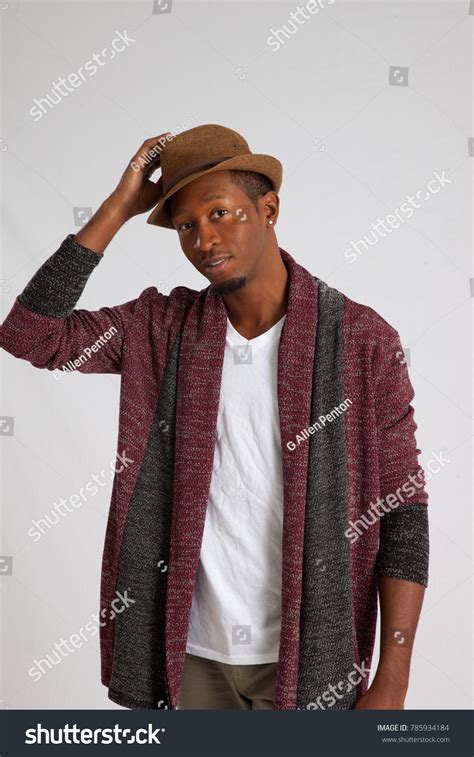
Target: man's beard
pixel 229 286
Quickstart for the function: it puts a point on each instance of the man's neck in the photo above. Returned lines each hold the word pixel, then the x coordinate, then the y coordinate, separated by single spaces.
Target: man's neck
pixel 262 302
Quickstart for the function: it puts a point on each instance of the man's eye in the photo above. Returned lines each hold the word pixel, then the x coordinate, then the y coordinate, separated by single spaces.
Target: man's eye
pixel 220 210
pixel 182 225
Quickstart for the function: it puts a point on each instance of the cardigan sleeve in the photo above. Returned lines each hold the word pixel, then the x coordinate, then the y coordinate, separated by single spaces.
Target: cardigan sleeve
pixel 44 328
pixel 404 534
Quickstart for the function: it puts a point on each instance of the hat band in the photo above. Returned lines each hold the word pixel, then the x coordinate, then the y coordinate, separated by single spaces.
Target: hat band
pixel 193 167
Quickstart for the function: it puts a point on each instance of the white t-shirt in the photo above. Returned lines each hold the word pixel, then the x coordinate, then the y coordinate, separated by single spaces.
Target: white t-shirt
pixel 236 606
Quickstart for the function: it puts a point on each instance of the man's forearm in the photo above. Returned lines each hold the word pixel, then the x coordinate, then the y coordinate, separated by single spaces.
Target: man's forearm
pixel 102 227
pixel 400 607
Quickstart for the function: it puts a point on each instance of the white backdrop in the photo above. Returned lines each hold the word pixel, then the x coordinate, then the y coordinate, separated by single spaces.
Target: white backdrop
pixel 363 105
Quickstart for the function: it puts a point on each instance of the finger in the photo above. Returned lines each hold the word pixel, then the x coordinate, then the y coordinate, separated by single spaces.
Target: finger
pixel 154 139
pixel 147 161
pixel 153 191
pixel 149 155
pixel 153 142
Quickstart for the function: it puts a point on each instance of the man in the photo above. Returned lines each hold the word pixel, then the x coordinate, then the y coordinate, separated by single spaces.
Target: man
pixel 274 486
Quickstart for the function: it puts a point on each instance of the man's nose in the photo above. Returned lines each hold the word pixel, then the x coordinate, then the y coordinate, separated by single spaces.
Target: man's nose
pixel 206 237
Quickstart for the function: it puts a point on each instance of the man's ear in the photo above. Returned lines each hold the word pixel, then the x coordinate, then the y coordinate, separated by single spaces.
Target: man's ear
pixel 270 203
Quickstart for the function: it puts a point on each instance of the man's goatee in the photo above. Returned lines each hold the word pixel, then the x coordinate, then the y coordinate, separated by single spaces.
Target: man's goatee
pixel 227 287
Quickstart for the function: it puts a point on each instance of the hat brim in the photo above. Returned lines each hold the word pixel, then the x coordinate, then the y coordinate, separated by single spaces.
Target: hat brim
pixel 266 164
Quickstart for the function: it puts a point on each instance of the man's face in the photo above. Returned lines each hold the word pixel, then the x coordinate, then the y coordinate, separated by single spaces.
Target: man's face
pixel 215 220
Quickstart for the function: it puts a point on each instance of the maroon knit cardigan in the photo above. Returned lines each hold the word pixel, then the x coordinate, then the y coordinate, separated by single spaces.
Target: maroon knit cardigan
pixel 169 351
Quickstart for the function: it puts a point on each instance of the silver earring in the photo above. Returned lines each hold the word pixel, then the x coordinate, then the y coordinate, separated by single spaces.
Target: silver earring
pixel 270 223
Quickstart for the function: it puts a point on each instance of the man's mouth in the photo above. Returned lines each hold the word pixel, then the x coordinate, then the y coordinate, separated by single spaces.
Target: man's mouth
pixel 216 264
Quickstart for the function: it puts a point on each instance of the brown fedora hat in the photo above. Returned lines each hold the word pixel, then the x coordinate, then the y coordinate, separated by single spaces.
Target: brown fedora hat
pixel 205 149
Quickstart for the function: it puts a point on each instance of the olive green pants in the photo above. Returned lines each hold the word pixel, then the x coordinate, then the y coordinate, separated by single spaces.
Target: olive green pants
pixel 211 685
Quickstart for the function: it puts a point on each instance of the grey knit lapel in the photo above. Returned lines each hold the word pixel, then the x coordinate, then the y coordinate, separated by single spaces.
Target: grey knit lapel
pixel 326 634
pixel 139 663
